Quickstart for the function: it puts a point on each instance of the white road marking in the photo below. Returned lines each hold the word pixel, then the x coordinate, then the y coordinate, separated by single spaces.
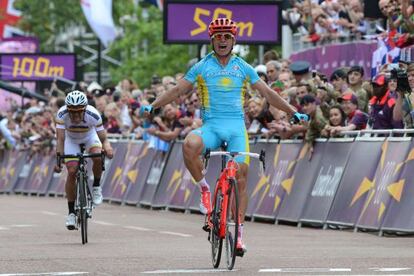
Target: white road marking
pixel 45 273
pixel 49 213
pixel 181 271
pixel 175 234
pixel 3 228
pixel 22 225
pixel 137 228
pixel 390 269
pixel 103 223
pixel 340 269
pixel 304 269
pixel 270 270
pixel 359 274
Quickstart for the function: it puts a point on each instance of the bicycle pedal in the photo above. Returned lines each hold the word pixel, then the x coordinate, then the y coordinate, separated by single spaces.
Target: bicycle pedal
pixel 206 228
pixel 239 252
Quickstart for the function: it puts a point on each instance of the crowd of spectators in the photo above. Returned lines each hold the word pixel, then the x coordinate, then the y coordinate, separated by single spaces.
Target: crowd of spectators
pixel 324 21
pixel 348 99
pixel 339 102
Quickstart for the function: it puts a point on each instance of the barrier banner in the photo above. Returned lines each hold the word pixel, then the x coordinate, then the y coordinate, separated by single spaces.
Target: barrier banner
pixel 126 171
pixel 12 164
pixel 356 181
pixel 58 182
pixel 338 55
pixel 400 215
pixel 212 174
pixel 143 164
pixel 24 174
pixel 393 155
pixel 115 170
pixel 177 185
pixel 151 184
pixel 299 187
pixel 253 176
pixel 40 174
pixel 329 175
pixel 269 190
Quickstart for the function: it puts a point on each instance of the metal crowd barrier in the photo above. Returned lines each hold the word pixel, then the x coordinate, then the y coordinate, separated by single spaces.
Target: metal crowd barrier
pixel 360 181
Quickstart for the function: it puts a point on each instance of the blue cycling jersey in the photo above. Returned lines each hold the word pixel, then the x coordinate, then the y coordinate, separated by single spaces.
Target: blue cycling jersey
pixel 221 88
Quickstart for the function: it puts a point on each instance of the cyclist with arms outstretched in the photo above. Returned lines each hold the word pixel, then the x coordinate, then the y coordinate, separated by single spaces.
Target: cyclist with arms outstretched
pixel 79 123
pixel 221 79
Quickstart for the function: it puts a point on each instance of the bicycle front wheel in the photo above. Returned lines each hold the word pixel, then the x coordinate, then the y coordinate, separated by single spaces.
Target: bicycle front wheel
pixel 232 223
pixel 83 214
pixel 216 241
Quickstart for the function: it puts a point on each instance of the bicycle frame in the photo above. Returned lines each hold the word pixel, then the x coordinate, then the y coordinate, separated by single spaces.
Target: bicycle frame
pixel 229 172
pixel 221 223
pixel 83 202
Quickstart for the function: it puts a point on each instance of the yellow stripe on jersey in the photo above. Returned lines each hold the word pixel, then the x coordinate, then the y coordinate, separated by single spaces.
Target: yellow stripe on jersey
pixel 244 91
pixel 203 92
pixel 78 129
pixel 247 146
pixel 59 122
pixel 98 125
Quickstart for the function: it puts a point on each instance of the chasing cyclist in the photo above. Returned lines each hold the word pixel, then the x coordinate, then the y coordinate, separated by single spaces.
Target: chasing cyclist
pixel 221 79
pixel 79 123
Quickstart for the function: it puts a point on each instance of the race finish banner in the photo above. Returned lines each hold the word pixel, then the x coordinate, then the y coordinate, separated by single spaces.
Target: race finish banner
pixel 400 214
pixel 299 187
pixel 37 67
pixel 356 182
pixel 332 167
pixel 12 164
pixel 386 183
pixel 258 22
pixel 269 190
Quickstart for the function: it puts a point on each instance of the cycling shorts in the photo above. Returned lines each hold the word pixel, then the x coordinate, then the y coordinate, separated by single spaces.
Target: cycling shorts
pixel 232 131
pixel 72 145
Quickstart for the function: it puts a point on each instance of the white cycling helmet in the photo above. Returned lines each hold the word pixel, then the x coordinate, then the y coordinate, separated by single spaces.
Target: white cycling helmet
pixel 76 98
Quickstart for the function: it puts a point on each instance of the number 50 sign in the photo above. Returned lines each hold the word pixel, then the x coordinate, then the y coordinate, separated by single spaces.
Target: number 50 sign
pixel 186 21
pixel 37 67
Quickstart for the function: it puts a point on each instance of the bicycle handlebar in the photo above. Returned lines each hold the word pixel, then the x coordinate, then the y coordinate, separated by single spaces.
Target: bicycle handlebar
pixel 81 155
pixel 261 156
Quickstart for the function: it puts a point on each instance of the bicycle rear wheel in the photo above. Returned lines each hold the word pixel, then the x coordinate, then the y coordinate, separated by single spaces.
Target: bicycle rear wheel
pixel 232 224
pixel 83 215
pixel 216 241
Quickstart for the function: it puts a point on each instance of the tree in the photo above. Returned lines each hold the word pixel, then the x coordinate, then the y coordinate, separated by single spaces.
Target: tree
pixel 140 48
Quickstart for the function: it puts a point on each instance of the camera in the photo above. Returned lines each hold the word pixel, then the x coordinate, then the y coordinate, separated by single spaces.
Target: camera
pixel 402 80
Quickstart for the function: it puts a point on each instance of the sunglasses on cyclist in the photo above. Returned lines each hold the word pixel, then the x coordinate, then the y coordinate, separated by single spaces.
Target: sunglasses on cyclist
pixel 220 36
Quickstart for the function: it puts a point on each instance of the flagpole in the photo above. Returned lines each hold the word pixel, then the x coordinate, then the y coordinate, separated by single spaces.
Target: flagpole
pixel 99 63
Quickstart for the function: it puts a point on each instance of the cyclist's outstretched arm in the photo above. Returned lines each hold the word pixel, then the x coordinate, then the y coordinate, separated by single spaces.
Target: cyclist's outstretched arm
pixel 273 97
pixel 182 86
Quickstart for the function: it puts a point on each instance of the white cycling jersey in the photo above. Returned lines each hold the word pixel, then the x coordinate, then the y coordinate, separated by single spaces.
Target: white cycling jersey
pixel 92 123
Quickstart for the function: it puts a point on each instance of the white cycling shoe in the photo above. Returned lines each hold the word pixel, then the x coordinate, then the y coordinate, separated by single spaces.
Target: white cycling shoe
pixel 71 221
pixel 97 197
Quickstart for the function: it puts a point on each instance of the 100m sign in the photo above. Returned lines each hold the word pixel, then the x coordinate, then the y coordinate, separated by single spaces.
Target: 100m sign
pixel 35 67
